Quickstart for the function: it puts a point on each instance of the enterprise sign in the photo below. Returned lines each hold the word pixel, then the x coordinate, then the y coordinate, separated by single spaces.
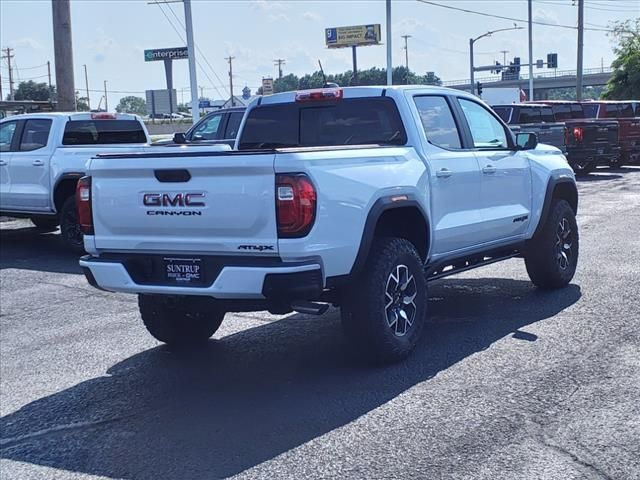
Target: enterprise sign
pixel 176 53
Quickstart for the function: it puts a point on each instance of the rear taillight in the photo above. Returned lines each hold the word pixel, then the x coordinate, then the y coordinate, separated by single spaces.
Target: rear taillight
pixel 578 134
pixel 319 95
pixel 296 200
pixel 83 204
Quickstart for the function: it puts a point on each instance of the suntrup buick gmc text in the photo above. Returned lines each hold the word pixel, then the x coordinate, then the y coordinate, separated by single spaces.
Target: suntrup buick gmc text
pixel 356 197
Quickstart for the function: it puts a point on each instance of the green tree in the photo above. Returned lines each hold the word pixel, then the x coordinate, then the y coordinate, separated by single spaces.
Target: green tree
pixel 132 104
pixel 431 79
pixel 31 90
pixel 624 83
pixel 82 103
pixel 286 83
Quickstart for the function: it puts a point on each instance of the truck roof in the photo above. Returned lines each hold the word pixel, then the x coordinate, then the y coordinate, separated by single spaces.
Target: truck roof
pixel 358 92
pixel 75 116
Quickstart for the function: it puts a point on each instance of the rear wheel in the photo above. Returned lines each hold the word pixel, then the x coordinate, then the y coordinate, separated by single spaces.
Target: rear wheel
pixel 70 227
pixel 383 312
pixel 583 167
pixel 45 223
pixel 552 255
pixel 180 321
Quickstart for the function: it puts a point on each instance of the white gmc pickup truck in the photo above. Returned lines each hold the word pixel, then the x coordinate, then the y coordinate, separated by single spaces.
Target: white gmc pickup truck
pixel 42 156
pixel 356 197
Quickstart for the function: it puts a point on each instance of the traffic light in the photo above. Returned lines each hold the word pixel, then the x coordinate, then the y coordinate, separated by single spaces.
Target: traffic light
pixel 516 65
pixel 479 88
pixel 498 68
pixel 552 60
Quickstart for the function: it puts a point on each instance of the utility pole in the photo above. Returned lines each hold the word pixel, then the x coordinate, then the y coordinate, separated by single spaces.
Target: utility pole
pixel 106 105
pixel 86 84
pixel 63 50
pixel 406 54
pixel 188 22
pixel 230 60
pixel 279 62
pixel 9 56
pixel 580 49
pixel 49 76
pixel 530 51
pixel 389 66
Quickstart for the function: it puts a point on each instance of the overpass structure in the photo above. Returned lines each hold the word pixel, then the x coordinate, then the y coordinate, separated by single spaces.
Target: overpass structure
pixel 543 82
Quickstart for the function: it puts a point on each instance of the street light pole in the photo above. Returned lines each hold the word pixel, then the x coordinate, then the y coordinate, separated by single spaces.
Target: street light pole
pixel 406 54
pixel 188 22
pixel 389 66
pixel 530 52
pixel 474 40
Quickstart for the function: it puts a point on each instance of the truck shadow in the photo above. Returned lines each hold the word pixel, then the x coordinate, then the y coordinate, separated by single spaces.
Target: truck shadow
pixel 29 248
pixel 253 395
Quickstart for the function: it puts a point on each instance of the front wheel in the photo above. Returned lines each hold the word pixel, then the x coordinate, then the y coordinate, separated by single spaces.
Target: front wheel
pixel 70 226
pixel 384 310
pixel 552 255
pixel 180 321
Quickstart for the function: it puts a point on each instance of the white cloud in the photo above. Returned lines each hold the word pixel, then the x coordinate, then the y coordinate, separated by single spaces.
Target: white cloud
pixel 311 16
pixel 27 42
pixel 278 17
pixel 268 6
pixel 545 16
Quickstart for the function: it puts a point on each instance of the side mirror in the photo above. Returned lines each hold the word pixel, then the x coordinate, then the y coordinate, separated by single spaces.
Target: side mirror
pixel 179 138
pixel 526 141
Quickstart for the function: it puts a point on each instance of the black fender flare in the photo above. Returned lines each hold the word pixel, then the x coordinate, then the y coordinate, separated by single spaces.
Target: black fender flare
pixel 548 197
pixel 380 206
pixel 64 177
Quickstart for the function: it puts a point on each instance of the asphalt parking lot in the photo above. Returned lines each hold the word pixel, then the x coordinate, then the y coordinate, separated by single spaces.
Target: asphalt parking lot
pixel 508 382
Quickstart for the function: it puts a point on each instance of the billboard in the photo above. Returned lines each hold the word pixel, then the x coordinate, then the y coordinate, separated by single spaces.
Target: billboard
pixel 160 102
pixel 156 54
pixel 355 36
pixel 267 86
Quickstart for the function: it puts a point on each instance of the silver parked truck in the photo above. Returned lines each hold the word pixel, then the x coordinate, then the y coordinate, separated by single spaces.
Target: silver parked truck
pixel 42 156
pixel 356 197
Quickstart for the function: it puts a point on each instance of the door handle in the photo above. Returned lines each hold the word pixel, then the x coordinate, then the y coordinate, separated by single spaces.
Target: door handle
pixel 2 163
pixel 37 163
pixel 489 169
pixel 443 173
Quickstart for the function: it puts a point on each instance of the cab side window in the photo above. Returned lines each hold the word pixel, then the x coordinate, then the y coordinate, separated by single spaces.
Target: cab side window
pixel 487 132
pixel 35 134
pixel 233 125
pixel 7 130
pixel 207 130
pixel 438 122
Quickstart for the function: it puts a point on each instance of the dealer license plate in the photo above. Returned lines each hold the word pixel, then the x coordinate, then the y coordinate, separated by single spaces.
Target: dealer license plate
pixel 184 271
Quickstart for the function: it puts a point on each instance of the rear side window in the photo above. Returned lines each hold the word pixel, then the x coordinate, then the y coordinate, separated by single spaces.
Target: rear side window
pixel 504 113
pixel 546 115
pixel 590 111
pixel 355 121
pixel 612 110
pixel 437 121
pixel 529 115
pixel 577 112
pixel 562 112
pixel 626 110
pixel 7 131
pixel 35 134
pixel 233 125
pixel 103 132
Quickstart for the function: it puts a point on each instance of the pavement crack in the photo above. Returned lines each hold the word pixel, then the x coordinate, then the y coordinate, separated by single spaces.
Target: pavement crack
pixel 10 442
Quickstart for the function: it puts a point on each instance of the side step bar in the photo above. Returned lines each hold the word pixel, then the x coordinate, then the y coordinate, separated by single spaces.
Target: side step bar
pixel 451 267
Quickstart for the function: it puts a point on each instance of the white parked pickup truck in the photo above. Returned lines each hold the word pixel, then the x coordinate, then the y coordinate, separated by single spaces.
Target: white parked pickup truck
pixel 42 156
pixel 356 197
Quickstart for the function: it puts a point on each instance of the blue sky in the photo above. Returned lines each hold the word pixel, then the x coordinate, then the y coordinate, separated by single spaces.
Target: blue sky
pixel 110 36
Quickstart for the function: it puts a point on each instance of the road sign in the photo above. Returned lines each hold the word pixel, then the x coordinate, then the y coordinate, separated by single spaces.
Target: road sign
pixel 355 36
pixel 267 86
pixel 160 102
pixel 204 104
pixel 156 54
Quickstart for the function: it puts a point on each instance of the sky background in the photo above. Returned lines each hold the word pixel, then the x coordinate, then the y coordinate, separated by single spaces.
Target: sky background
pixel 109 36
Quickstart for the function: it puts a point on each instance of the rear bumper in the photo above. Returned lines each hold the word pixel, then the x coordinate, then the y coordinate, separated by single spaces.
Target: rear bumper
pixel 278 282
pixel 599 156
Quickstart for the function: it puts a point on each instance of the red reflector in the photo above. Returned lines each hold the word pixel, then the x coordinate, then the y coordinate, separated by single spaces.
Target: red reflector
pixel 296 200
pixel 578 134
pixel 103 116
pixel 83 205
pixel 319 95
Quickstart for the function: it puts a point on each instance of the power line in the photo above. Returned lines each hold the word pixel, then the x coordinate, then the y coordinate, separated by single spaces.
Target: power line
pixel 199 51
pixel 183 40
pixel 513 19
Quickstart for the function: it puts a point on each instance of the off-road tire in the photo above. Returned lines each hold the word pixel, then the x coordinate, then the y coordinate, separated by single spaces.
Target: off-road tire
pixel 180 321
pixel 551 257
pixel 371 312
pixel 70 227
pixel 47 224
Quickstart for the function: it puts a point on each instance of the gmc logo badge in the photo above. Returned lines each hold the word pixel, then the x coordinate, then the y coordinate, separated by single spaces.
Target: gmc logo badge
pixel 173 199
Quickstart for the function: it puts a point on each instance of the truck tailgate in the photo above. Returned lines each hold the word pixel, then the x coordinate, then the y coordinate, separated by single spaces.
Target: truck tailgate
pixel 222 203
